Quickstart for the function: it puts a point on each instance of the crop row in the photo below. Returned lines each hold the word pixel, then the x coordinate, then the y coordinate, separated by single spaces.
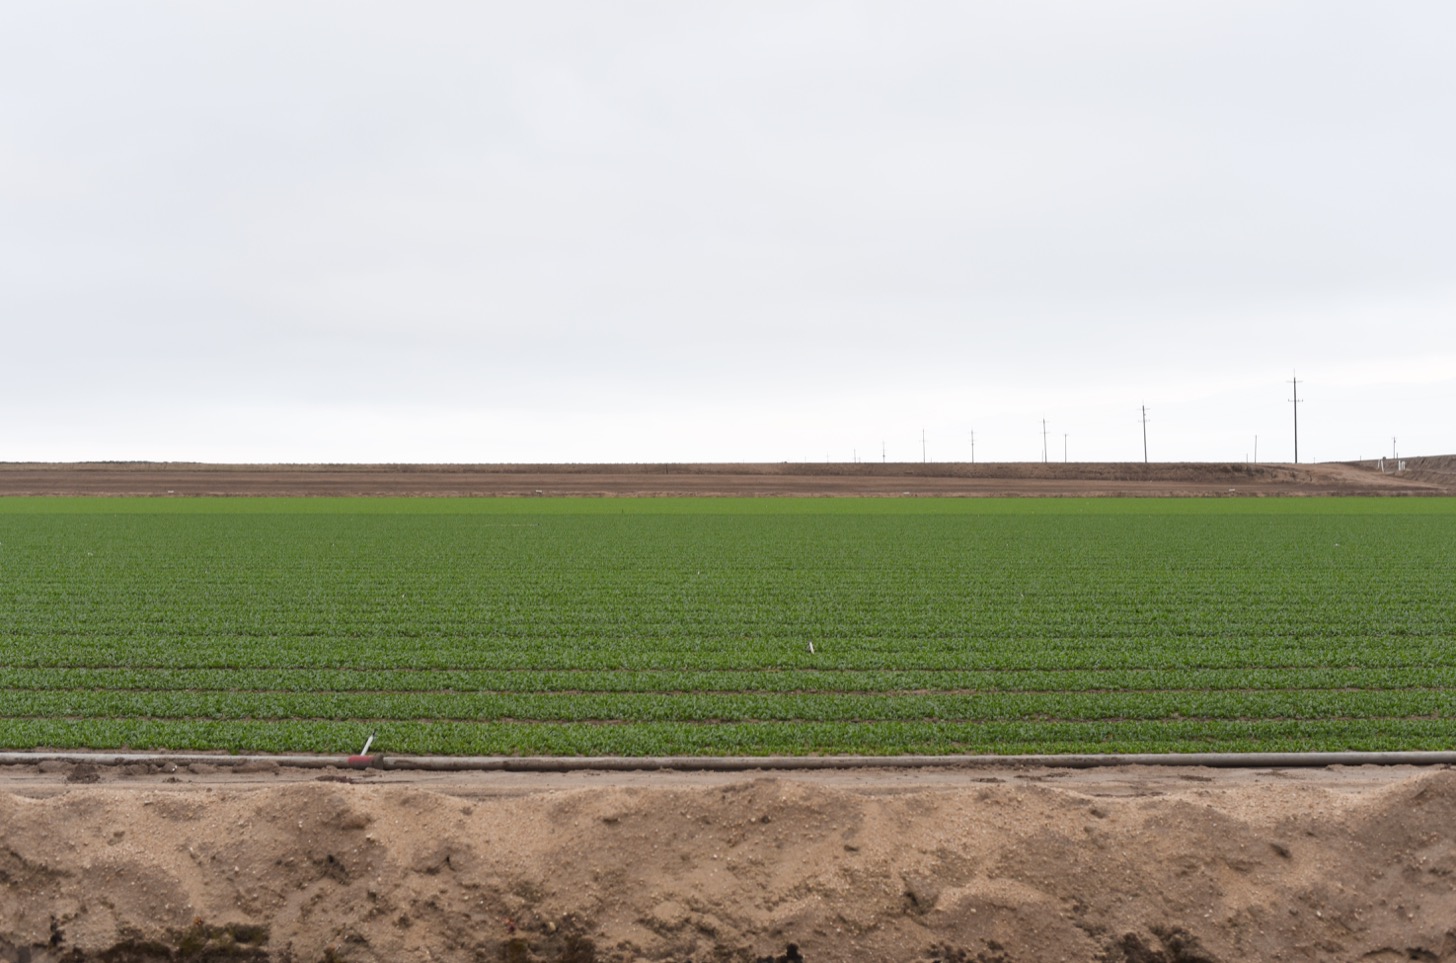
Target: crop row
pixel 755 738
pixel 635 654
pixel 788 681
pixel 695 707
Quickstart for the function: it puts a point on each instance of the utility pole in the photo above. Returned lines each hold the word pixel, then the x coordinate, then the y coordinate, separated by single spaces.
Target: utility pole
pixel 973 446
pixel 922 446
pixel 1064 448
pixel 1043 441
pixel 1295 381
pixel 1145 434
pixel 882 453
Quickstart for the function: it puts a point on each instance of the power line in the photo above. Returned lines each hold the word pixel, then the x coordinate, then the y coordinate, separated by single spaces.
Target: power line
pixel 1295 381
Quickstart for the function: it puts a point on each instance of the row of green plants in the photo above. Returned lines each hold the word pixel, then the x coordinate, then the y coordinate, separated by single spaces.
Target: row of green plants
pixel 736 738
pixel 891 682
pixel 737 707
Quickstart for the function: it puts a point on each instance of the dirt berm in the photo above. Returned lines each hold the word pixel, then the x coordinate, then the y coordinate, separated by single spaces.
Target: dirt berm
pixel 952 479
pixel 1118 865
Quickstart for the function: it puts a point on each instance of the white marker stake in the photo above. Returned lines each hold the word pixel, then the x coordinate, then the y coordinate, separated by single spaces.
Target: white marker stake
pixel 364 760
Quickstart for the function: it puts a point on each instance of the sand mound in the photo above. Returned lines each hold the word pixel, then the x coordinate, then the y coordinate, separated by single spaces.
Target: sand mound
pixel 971 868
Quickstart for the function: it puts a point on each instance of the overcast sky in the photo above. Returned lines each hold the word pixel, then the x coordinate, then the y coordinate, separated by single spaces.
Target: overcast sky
pixel 731 231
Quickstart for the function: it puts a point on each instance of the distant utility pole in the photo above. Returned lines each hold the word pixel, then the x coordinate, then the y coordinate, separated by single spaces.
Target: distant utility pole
pixel 922 446
pixel 1043 441
pixel 1145 434
pixel 973 446
pixel 1295 381
pixel 882 452
pixel 1064 448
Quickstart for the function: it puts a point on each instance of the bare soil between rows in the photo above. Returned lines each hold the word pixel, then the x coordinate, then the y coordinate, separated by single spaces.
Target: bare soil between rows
pixel 153 863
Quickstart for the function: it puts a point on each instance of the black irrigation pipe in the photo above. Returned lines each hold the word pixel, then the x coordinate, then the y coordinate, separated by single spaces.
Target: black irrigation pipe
pixel 1227 760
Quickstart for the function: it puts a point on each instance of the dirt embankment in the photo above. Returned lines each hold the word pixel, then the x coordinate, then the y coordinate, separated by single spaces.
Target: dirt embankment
pixel 862 478
pixel 1436 470
pixel 1122 866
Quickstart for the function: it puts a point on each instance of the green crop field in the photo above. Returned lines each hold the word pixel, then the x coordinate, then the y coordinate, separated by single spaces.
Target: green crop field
pixel 649 626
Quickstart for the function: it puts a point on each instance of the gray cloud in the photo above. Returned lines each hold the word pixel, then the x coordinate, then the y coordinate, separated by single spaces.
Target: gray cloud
pixel 789 227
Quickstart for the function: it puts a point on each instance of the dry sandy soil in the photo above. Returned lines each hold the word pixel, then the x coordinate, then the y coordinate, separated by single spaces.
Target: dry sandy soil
pixel 154 862
pixel 975 864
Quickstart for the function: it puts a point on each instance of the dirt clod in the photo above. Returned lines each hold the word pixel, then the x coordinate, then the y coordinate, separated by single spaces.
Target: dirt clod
pixel 84 773
pixel 1167 945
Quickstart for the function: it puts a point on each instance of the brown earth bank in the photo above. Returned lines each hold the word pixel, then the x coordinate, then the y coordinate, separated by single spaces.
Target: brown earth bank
pixel 1121 865
pixel 1439 470
pixel 1424 476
